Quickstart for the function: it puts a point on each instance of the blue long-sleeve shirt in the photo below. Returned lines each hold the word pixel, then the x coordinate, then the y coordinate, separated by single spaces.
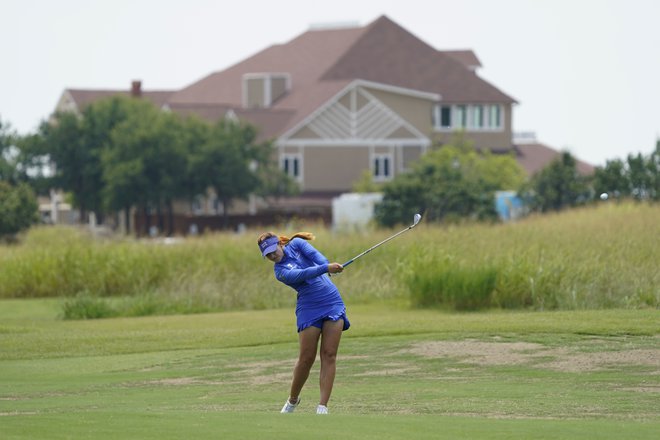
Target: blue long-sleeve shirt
pixel 304 269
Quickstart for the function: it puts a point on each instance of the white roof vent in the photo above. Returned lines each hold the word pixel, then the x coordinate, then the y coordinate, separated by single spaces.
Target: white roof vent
pixel 324 26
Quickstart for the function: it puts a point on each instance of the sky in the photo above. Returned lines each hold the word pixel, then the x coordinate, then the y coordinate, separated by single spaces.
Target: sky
pixel 585 73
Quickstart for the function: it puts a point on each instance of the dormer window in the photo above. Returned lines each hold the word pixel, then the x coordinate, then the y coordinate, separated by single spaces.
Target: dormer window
pixel 472 117
pixel 261 90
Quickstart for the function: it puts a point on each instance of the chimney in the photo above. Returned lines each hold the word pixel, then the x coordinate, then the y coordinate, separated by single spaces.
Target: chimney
pixel 136 89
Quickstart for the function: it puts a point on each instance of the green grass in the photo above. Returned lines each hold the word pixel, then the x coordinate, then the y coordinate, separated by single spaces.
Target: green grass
pixel 402 374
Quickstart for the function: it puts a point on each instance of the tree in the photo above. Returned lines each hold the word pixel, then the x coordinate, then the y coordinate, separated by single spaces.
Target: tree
pixel 450 182
pixel 557 186
pixel 74 144
pixel 612 179
pixel 10 167
pixel 18 209
pixel 654 170
pixel 235 165
pixel 638 176
pixel 123 152
pixel 146 163
pixel 6 164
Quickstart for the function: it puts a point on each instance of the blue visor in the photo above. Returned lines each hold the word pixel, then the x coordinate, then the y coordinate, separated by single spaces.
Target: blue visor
pixel 268 245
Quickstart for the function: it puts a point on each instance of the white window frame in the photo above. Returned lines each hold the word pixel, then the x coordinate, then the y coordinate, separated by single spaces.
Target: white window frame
pixel 293 157
pixel 437 116
pixel 378 167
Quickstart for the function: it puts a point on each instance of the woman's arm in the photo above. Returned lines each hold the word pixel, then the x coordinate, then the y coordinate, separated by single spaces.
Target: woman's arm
pixel 310 252
pixel 295 276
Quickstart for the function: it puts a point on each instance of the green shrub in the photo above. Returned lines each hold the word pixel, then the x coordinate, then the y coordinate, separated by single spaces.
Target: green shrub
pixel 87 306
pixel 450 285
pixel 18 209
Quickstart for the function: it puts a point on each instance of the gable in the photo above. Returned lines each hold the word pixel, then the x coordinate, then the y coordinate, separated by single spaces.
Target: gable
pixel 389 54
pixel 355 117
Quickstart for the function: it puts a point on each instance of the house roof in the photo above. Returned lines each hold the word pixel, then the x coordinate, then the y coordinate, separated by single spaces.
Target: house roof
pixel 269 122
pixel 84 97
pixel 389 54
pixel 533 157
pixel 322 62
pixel 466 57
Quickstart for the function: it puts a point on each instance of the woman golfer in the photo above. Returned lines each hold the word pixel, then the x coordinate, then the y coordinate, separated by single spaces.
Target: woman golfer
pixel 320 311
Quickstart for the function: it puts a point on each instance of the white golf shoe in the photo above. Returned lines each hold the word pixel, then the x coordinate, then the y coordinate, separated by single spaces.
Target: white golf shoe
pixel 321 409
pixel 290 407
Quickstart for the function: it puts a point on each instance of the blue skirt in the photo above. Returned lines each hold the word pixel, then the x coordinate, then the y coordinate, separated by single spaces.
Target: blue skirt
pixel 318 322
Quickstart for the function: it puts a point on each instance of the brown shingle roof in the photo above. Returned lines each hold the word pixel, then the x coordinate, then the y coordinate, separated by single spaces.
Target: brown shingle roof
pixel 322 62
pixel 389 54
pixel 466 57
pixel 84 97
pixel 304 58
pixel 533 157
pixel 269 122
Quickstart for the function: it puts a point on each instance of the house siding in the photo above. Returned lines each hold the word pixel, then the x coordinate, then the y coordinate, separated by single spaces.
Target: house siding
pixel 333 169
pixel 334 164
pixel 408 156
pixel 415 111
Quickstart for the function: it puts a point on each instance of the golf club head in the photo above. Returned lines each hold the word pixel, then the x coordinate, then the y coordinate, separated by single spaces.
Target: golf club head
pixel 416 219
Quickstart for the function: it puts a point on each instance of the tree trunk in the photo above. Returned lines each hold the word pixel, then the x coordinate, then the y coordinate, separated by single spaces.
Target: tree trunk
pixel 127 220
pixel 161 218
pixel 225 214
pixel 170 218
pixel 147 219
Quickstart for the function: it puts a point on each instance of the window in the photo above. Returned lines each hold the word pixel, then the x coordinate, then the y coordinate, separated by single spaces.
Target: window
pixel 445 116
pixel 461 116
pixel 475 117
pixel 382 167
pixel 495 117
pixel 442 116
pixel 291 165
pixel 478 120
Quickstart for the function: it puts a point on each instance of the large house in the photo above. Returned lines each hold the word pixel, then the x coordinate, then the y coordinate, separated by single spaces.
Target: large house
pixel 338 101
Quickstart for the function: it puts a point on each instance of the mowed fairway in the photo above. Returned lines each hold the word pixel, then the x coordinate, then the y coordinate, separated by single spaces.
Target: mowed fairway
pixel 401 374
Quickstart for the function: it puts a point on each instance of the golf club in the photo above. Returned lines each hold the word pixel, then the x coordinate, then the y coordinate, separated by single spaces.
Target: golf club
pixel 416 220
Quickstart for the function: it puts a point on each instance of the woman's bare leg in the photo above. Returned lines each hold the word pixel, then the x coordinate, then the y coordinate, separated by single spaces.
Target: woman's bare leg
pixel 331 335
pixel 309 339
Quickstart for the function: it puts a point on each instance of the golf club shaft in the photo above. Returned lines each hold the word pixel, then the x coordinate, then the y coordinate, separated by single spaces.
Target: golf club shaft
pixel 375 246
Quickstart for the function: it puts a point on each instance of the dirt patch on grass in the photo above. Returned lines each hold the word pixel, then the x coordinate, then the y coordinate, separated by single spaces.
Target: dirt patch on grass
pixel 600 360
pixel 526 353
pixel 392 369
pixel 477 352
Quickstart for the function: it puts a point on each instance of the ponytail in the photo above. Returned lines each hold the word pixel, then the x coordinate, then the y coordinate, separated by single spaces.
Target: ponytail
pixel 283 239
pixel 304 235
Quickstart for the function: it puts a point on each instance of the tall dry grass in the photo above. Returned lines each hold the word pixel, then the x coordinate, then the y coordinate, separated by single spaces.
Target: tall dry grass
pixel 598 257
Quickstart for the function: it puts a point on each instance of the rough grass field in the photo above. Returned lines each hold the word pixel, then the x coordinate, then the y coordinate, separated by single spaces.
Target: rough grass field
pixel 402 374
pixel 597 257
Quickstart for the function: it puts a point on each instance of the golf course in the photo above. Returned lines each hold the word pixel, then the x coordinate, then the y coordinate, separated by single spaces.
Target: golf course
pixel 547 328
